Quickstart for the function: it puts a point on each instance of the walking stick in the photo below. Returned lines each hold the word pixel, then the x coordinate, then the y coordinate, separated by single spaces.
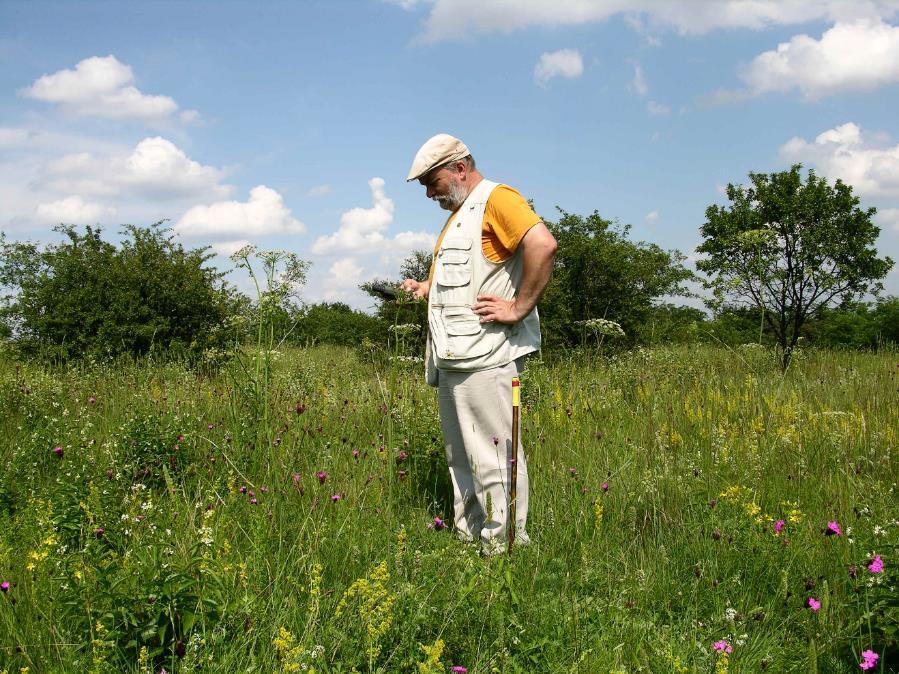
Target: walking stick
pixel 513 480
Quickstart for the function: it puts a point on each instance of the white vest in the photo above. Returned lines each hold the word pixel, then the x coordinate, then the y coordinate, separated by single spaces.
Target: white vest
pixel 458 340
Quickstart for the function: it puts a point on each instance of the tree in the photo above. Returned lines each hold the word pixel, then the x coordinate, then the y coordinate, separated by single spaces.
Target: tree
pixel 790 248
pixel 600 273
pixel 85 295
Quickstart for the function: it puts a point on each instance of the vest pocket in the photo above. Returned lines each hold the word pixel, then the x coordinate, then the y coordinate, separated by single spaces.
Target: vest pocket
pixel 462 324
pixel 453 263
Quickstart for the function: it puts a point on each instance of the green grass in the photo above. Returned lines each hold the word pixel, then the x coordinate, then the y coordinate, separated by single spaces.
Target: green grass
pixel 703 451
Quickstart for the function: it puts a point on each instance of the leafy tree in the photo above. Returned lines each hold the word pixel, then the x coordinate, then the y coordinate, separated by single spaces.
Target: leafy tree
pixel 85 295
pixel 790 248
pixel 337 323
pixel 600 273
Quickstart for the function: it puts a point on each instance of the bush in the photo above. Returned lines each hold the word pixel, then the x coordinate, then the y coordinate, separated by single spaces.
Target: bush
pixel 87 296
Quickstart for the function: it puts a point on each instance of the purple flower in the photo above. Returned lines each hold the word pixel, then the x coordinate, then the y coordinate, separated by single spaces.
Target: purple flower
pixel 813 604
pixel 58 451
pixel 495 441
pixel 604 486
pixel 778 526
pixel 297 477
pixel 401 474
pixel 336 497
pixel 458 669
pixel 833 529
pixel 402 456
pixel 572 471
pixel 99 531
pixel 876 565
pixel 322 476
pixel 869 659
pixel 723 646
pixel 438 524
pixel 92 400
pixel 4 586
pixel 243 489
pixel 180 437
pixel 356 454
pixel 253 501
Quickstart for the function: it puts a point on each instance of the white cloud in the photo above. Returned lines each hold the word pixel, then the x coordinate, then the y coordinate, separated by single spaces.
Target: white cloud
pixel 360 228
pixel 73 210
pixel 657 109
pixel 458 19
pixel 345 273
pixel 263 214
pixel 155 167
pixel 869 165
pixel 102 86
pixel 563 63
pixel 857 56
pixel 888 218
pixel 639 83
pixel 319 191
pixel 228 248
pixel 652 217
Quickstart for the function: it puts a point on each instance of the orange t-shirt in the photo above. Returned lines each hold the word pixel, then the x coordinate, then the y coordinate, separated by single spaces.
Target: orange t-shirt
pixel 507 218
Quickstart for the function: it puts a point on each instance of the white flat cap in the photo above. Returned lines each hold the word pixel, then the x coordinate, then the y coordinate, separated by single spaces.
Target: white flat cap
pixel 438 150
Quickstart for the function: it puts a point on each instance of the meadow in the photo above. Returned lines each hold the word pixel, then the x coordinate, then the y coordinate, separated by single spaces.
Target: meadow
pixel 693 509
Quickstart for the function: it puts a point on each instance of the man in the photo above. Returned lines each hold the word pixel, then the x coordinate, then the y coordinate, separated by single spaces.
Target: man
pixel 491 263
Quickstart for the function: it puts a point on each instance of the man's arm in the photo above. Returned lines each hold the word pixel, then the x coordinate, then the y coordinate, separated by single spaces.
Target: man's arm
pixel 538 249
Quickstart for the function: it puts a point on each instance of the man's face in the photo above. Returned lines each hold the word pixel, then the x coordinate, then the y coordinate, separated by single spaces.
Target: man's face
pixel 444 185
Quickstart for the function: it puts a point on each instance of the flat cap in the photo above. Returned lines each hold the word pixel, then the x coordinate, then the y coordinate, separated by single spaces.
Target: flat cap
pixel 437 150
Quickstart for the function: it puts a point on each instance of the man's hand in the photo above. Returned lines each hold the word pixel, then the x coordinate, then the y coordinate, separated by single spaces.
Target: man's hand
pixel 496 309
pixel 419 289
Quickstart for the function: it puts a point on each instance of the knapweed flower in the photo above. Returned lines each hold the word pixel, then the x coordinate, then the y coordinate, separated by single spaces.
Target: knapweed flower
pixel 401 474
pixel 4 586
pixel 438 524
pixel 336 497
pixel 180 437
pixel 604 486
pixel 723 647
pixel 322 476
pixel 297 477
pixel 876 565
pixel 778 526
pixel 833 529
pixel 253 501
pixel 99 531
pixel 243 489
pixel 58 451
pixel 814 604
pixel 572 471
pixel 402 456
pixel 355 453
pixel 458 669
pixel 92 400
pixel 869 659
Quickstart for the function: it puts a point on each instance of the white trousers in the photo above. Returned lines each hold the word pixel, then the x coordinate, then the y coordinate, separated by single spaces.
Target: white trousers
pixel 476 416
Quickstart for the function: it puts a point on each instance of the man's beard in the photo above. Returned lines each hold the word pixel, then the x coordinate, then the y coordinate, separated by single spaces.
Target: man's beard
pixel 454 199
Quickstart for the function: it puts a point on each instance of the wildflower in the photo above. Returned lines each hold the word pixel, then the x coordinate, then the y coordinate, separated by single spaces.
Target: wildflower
pixel 814 604
pixel 4 586
pixel 438 524
pixel 495 441
pixel 336 497
pixel 716 534
pixel 778 526
pixel 253 501
pixel 402 456
pixel 356 454
pixel 853 571
pixel 572 471
pixel 58 451
pixel 92 400
pixel 723 647
pixel 458 669
pixel 243 489
pixel 604 486
pixel 180 437
pixel 833 529
pixel 299 408
pixel 322 476
pixel 876 565
pixel 297 477
pixel 402 474
pixel 99 531
pixel 869 659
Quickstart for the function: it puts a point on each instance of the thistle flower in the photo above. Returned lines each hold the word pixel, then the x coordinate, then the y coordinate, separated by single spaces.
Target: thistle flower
pixel 604 486
pixel 336 497
pixel 402 456
pixel 833 529
pixel 322 476
pixel 876 565
pixel 58 451
pixel 458 669
pixel 4 586
pixel 814 604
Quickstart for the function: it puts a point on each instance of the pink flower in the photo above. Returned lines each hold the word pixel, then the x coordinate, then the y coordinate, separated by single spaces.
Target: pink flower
pixel 322 476
pixel 604 486
pixel 92 400
pixel 355 453
pixel 438 524
pixel 297 477
pixel 723 646
pixel 778 526
pixel 58 451
pixel 243 489
pixel 495 440
pixel 814 604
pixel 253 501
pixel 402 456
pixel 869 659
pixel 833 529
pixel 572 471
pixel 459 670
pixel 4 586
pixel 876 565
pixel 336 497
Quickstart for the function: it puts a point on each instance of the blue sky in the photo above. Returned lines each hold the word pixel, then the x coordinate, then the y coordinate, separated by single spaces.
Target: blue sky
pixel 292 124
